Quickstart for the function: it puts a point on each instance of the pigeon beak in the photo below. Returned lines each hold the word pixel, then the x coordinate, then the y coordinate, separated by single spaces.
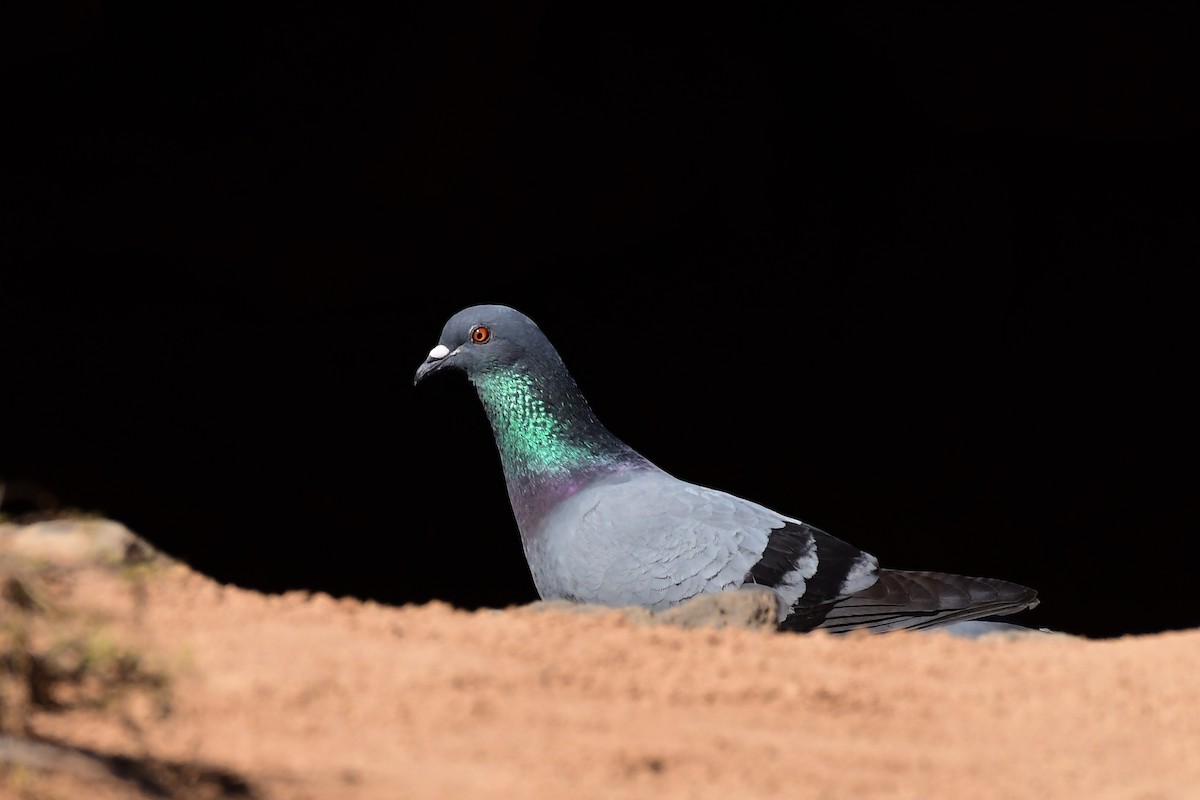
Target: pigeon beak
pixel 436 359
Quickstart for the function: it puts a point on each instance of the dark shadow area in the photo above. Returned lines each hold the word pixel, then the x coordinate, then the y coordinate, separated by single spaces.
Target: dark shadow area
pixel 917 276
pixel 149 777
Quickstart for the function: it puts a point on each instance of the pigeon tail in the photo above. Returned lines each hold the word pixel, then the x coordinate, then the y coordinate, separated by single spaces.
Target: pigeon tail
pixel 912 600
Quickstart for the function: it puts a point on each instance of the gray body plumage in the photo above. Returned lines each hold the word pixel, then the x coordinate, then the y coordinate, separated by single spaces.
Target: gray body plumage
pixel 602 524
pixel 643 537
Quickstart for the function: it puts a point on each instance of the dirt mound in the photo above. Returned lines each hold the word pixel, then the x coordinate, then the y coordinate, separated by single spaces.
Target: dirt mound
pixel 123 674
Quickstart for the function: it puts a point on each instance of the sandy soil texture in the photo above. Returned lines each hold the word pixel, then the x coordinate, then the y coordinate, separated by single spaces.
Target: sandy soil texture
pixel 126 675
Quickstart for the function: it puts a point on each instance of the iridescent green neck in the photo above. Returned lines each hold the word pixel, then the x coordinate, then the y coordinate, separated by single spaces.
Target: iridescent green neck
pixel 543 426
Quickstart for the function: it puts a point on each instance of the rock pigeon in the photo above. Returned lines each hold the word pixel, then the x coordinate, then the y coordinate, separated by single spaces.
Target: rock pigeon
pixel 602 524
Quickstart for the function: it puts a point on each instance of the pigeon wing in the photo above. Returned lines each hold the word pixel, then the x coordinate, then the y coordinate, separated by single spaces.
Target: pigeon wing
pixel 650 539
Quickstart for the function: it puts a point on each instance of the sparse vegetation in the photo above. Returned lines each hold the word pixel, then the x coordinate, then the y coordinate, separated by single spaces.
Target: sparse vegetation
pixel 56 658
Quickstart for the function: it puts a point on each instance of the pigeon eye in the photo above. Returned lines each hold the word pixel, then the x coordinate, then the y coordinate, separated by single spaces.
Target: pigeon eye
pixel 480 334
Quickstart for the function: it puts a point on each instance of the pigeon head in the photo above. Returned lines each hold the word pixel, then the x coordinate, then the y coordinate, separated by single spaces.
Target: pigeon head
pixel 483 339
pixel 549 439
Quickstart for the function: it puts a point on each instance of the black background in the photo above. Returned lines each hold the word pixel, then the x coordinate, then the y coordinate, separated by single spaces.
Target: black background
pixel 917 275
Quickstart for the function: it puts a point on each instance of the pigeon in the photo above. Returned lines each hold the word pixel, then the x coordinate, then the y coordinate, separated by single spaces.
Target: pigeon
pixel 601 524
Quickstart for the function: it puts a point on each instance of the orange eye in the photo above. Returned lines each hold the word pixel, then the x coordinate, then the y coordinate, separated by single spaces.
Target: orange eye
pixel 480 334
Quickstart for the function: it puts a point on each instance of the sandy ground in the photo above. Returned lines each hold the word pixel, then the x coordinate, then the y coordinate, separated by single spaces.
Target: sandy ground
pixel 231 693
